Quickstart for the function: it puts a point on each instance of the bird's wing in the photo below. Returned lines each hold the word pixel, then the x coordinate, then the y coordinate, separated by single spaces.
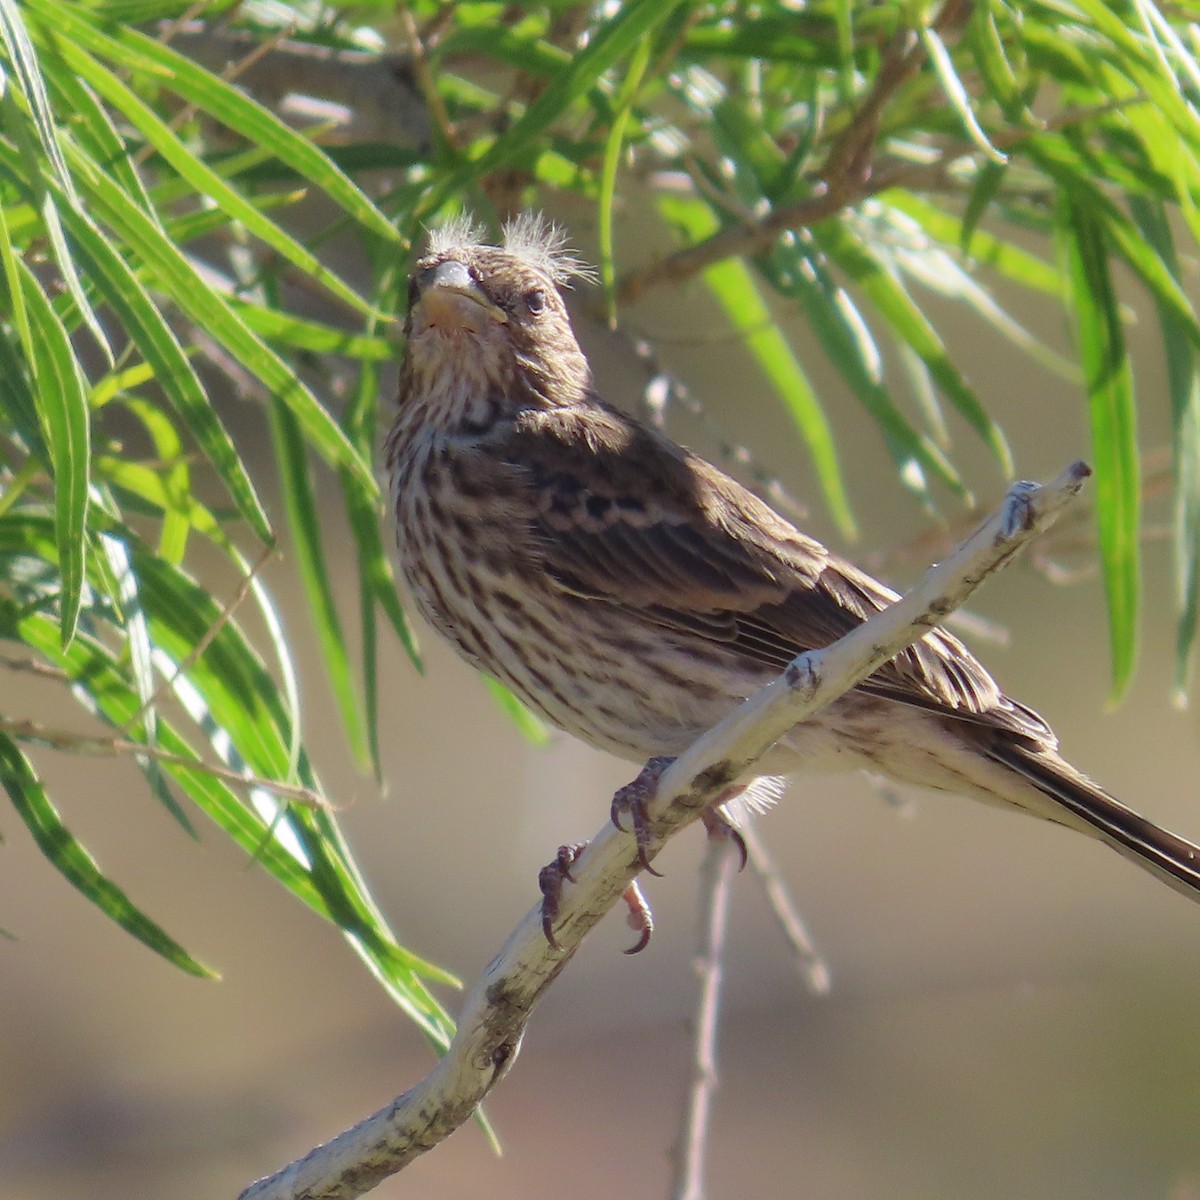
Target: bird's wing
pixel 623 515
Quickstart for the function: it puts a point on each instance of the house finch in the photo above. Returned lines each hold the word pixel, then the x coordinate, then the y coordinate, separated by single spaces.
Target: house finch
pixel 633 594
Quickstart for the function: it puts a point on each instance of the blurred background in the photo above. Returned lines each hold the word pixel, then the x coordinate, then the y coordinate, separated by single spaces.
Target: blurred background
pixel 1013 1009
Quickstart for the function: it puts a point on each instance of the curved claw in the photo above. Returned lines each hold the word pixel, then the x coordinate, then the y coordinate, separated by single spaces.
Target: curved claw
pixel 641 943
pixel 632 799
pixel 644 862
pixel 719 825
pixel 640 917
pixel 740 843
pixel 616 808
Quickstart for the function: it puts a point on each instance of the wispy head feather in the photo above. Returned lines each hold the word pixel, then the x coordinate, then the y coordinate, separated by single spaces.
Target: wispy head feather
pixel 531 237
pixel 462 230
pixel 527 236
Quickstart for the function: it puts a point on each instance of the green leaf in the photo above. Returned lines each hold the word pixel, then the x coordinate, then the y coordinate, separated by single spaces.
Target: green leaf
pixel 1007 258
pixel 610 42
pixel 131 50
pixel 62 404
pixel 171 271
pixel 376 583
pixel 943 66
pixel 1183 376
pixel 206 181
pixel 1114 424
pixel 77 866
pixel 27 72
pixel 315 574
pixel 798 269
pixel 608 173
pixel 93 129
pixel 532 727
pixel 732 284
pixel 172 370
pixel 288 330
pixel 909 324
pixel 43 154
pixel 101 685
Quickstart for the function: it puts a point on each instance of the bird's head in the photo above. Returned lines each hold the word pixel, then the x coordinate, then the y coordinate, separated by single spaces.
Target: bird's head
pixel 495 314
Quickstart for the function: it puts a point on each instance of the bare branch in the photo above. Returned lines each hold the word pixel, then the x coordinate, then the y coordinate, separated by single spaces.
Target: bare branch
pixel 812 967
pixel 377 91
pixel 716 880
pixel 69 742
pixel 496 1011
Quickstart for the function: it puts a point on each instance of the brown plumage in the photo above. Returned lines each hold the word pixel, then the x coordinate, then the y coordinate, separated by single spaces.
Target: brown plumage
pixel 632 593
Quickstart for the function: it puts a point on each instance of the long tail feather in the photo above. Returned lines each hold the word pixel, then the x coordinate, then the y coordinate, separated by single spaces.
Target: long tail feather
pixel 1171 858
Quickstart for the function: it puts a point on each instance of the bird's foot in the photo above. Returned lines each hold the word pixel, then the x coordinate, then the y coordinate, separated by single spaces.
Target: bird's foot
pixel 551 879
pixel 632 799
pixel 640 918
pixel 719 827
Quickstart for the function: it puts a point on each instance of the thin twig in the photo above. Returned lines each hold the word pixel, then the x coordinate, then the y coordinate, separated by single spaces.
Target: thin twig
pixel 812 966
pixel 495 1013
pixel 203 644
pixel 83 743
pixel 663 388
pixel 33 667
pixel 846 177
pixel 424 79
pixel 716 879
pixel 253 55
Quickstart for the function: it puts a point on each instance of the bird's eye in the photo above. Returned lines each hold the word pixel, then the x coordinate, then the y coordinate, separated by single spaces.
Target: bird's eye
pixel 535 301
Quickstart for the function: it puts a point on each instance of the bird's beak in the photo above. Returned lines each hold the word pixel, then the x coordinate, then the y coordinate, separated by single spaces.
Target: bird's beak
pixel 449 298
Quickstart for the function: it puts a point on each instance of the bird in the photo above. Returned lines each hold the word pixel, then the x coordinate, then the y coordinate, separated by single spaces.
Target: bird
pixel 632 593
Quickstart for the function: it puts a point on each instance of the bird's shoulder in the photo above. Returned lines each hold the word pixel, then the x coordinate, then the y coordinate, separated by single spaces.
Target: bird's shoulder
pixel 625 515
pixel 627 512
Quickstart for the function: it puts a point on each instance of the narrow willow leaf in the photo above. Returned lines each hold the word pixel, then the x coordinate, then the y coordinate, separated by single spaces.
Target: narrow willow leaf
pixel 27 72
pixel 363 519
pixel 608 173
pixel 992 59
pixel 129 49
pixel 206 181
pixel 957 94
pixel 797 270
pixel 1114 425
pixel 1183 376
pixel 987 188
pixel 171 271
pixel 288 330
pixel 92 127
pixel 240 698
pixel 102 686
pixel 1073 173
pixel 611 41
pixel 173 372
pixel 44 185
pixel 304 522
pixel 1007 258
pixel 9 256
pixel 141 664
pixel 62 404
pixel 145 324
pixel 77 866
pixel 532 727
pixel 733 286
pixel 909 324
pixel 922 260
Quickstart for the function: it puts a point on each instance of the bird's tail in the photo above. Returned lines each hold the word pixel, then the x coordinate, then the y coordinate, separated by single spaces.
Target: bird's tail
pixel 1171 858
